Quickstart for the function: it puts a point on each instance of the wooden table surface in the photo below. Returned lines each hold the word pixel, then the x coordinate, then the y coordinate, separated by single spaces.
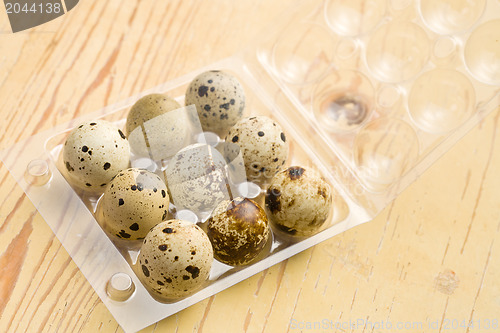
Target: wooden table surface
pixel 430 262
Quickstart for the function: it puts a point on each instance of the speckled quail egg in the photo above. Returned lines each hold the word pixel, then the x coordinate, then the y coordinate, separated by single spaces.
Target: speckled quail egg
pixel 219 98
pixel 238 230
pixel 157 126
pixel 263 145
pixel 134 201
pixel 196 178
pixel 298 201
pixel 175 259
pixel 93 153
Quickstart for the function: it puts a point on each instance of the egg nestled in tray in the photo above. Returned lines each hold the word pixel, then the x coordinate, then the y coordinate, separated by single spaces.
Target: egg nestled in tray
pixel 190 174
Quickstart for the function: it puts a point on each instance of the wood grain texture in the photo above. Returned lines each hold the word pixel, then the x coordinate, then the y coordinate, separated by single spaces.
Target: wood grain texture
pixel 433 254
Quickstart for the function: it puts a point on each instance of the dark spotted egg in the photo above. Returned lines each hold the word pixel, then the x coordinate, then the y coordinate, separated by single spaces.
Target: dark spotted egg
pixel 298 201
pixel 263 145
pixel 133 202
pixel 175 259
pixel 93 153
pixel 219 99
pixel 238 230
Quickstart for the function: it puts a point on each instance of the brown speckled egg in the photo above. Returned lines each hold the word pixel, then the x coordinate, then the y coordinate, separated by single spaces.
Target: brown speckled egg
pixel 134 202
pixel 219 99
pixel 156 126
pixel 298 201
pixel 196 178
pixel 94 153
pixel 263 145
pixel 175 259
pixel 238 230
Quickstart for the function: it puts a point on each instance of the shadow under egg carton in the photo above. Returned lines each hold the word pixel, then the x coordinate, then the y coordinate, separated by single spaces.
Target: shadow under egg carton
pixel 388 85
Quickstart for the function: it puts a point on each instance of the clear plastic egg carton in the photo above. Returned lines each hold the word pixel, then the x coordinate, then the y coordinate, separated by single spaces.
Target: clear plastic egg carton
pixel 111 264
pixel 389 85
pixel 369 93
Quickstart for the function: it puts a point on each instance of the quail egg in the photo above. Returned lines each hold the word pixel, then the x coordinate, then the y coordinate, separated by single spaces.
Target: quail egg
pixel 263 145
pixel 196 178
pixel 133 202
pixel 93 153
pixel 157 126
pixel 175 259
pixel 219 98
pixel 298 201
pixel 238 230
